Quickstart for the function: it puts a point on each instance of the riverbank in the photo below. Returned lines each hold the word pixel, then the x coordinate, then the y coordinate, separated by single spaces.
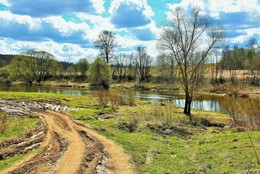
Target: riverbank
pixel 222 89
pixel 157 136
pixel 227 89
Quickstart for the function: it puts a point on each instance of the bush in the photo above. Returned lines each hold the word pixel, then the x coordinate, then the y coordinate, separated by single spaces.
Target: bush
pixel 99 74
pixel 115 101
pixel 103 97
pixel 3 122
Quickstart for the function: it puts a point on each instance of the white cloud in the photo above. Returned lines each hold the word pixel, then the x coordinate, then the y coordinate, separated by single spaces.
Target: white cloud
pixel 3 47
pixel 249 33
pixel 224 10
pixel 5 2
pixel 147 10
pixel 27 20
pixel 98 5
pixel 62 52
pixel 67 27
pixel 214 8
pixel 72 52
pixel 99 24
pixel 132 44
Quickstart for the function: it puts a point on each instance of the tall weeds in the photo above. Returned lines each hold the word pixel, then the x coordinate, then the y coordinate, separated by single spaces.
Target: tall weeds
pixel 3 122
pixel 105 97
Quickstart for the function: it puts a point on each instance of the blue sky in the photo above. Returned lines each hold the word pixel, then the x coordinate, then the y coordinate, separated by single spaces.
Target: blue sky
pixel 68 28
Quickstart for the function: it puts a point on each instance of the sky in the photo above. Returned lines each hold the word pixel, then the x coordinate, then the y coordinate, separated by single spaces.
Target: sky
pixel 68 28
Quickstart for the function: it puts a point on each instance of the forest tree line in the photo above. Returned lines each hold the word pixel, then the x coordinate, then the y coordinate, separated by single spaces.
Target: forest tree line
pixel 37 66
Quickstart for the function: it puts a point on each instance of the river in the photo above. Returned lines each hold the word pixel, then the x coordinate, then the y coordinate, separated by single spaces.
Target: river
pixel 242 109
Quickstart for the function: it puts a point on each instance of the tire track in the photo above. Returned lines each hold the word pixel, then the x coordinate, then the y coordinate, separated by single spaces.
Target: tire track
pixel 74 149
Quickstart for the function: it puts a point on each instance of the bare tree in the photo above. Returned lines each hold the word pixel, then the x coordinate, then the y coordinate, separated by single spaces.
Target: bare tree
pixel 182 37
pixel 106 43
pixel 120 64
pixel 142 64
pixel 165 68
pixel 224 61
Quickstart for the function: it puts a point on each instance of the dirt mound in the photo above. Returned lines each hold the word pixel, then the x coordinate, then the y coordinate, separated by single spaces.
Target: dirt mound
pixel 169 129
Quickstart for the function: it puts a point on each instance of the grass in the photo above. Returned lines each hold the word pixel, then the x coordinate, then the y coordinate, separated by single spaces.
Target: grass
pixel 207 150
pixel 11 161
pixel 225 153
pixel 211 150
pixel 204 150
pixel 18 126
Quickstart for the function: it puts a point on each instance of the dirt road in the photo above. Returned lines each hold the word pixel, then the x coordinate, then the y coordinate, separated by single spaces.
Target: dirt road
pixel 70 148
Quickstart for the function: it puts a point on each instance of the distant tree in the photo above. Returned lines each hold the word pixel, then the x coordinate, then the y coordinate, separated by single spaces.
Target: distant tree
pixel 19 69
pixel 82 66
pixel 71 72
pixel 40 63
pixel 251 43
pixel 106 43
pixel 5 60
pixel 32 65
pixel 235 62
pixel 252 62
pixel 165 68
pixel 143 64
pixel 120 64
pixel 132 72
pixel 99 74
pixel 56 69
pixel 224 62
pixel 214 66
pixel 181 38
pixel 4 76
pixel 255 69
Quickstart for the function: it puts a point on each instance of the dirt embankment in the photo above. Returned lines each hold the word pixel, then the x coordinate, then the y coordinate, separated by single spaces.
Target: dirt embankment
pixel 68 147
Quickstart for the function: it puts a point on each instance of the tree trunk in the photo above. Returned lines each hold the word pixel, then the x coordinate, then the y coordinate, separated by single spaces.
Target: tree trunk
pixel 187 107
pixel 107 58
pixel 38 81
pixel 30 83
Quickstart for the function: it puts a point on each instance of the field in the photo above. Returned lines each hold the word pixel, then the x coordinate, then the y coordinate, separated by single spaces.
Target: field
pixel 157 137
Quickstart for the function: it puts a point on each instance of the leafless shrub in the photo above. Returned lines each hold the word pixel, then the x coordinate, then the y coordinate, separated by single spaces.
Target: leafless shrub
pixel 3 122
pixel 103 97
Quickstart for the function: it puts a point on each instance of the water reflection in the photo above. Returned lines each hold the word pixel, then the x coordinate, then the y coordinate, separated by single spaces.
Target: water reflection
pixel 206 105
pixel 44 89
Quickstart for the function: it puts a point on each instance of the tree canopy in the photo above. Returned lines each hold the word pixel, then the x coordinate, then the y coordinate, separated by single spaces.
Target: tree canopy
pixel 99 74
pixel 31 65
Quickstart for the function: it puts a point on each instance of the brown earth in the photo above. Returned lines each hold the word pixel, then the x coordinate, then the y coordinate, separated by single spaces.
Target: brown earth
pixel 69 147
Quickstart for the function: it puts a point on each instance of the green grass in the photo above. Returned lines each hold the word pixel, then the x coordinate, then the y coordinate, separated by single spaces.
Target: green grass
pixel 226 153
pixel 223 152
pixel 11 161
pixel 207 150
pixel 18 126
